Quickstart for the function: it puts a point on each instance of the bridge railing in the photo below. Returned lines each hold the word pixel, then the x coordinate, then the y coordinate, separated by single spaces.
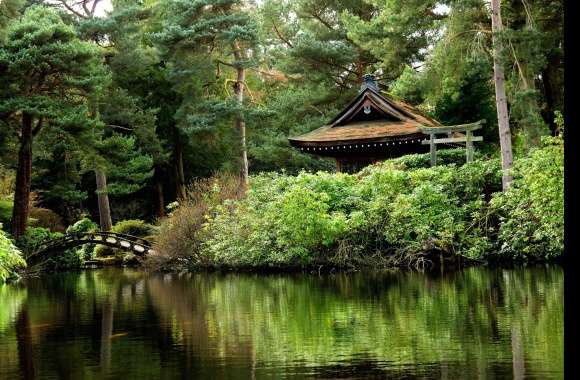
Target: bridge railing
pixel 73 239
pixel 135 239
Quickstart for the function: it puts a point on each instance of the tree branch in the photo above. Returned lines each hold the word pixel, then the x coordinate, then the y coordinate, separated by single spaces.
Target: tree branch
pixel 219 61
pixel 285 40
pixel 86 8
pixel 324 22
pixel 95 2
pixel 119 127
pixel 38 126
pixel 71 9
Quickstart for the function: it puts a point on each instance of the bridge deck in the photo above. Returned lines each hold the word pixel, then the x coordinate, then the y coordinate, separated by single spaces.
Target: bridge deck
pixel 125 242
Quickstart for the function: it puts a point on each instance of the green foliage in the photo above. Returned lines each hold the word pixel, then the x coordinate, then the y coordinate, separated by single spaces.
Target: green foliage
pixel 293 110
pixel 69 259
pixel 160 93
pixel 455 156
pixel 7 181
pixel 178 244
pixel 396 33
pixel 134 228
pixel 531 212
pixel 9 9
pixel 282 221
pixel 341 219
pixel 128 168
pixel 453 92
pixel 47 75
pixel 5 210
pixel 82 226
pixel 42 49
pixel 34 238
pixel 559 120
pixel 10 257
pixel 398 212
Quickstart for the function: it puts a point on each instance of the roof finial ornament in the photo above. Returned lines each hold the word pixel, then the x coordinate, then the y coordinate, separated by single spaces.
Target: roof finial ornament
pixel 369 81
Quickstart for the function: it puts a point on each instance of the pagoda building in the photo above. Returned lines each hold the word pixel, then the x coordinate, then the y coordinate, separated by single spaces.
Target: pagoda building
pixel 371 128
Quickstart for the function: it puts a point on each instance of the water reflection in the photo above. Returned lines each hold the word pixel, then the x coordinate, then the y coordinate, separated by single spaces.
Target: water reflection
pixel 120 323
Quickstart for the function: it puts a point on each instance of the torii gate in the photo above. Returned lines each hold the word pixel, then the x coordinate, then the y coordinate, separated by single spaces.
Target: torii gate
pixel 468 139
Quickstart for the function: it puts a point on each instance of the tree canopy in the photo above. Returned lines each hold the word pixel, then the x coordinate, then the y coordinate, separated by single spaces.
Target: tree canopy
pixel 155 94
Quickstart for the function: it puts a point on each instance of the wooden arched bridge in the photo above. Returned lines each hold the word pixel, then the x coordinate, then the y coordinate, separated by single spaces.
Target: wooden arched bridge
pixel 134 244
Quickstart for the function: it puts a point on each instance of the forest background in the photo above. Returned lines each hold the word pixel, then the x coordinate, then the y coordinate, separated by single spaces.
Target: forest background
pixel 114 113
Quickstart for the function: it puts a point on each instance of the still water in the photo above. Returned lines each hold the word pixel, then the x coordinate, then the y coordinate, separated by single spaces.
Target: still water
pixel 127 324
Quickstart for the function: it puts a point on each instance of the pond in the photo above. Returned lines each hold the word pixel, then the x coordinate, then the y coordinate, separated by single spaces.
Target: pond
pixel 128 324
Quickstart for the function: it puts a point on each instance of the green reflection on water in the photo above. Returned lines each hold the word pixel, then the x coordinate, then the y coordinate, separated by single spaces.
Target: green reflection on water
pixel 114 323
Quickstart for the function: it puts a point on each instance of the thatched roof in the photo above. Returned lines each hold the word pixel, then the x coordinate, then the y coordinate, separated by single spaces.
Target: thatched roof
pixel 370 117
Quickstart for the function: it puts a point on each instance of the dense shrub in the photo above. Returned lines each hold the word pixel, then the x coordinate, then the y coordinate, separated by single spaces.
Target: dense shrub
pixel 34 238
pixel 43 217
pixel 531 212
pixel 5 211
pixel 393 213
pixel 282 220
pixel 455 156
pixel 10 257
pixel 65 260
pixel 179 239
pixel 7 182
pixel 133 227
pixel 342 219
pixel 82 226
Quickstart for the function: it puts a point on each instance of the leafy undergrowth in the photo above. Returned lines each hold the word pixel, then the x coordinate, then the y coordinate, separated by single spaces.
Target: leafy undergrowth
pixel 35 237
pixel 396 213
pixel 5 211
pixel 10 258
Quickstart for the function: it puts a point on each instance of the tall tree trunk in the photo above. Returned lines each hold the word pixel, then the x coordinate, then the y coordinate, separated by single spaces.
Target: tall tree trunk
pixel 500 97
pixel 103 200
pixel 240 122
pixel 159 200
pixel 23 179
pixel 179 173
pixel 101 180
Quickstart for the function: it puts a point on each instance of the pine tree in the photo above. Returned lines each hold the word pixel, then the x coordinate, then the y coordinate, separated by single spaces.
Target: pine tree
pixel 199 35
pixel 47 75
pixel 397 33
pixel 115 109
pixel 9 10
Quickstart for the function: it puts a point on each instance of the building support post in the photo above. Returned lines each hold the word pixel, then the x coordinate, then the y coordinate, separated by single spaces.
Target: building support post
pixel 433 149
pixel 338 165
